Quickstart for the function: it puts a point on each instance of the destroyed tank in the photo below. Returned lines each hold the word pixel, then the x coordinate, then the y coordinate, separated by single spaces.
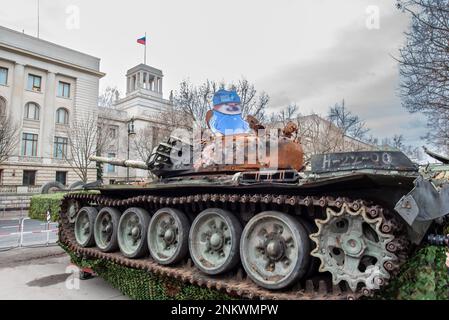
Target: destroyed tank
pixel 338 227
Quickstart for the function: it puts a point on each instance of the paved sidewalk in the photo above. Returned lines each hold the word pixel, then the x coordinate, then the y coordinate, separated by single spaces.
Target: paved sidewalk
pixel 45 273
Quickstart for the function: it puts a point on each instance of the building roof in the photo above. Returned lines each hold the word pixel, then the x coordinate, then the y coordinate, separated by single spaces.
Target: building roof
pixel 144 67
pixel 44 50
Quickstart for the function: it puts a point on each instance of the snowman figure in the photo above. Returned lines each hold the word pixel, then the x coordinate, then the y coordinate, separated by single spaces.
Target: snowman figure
pixel 226 116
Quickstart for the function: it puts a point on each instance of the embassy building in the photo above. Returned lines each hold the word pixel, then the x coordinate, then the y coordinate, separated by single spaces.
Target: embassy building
pixel 45 87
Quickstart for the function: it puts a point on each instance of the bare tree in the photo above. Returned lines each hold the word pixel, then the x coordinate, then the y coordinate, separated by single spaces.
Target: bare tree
pixel 195 101
pixel 173 117
pixel 252 103
pixel 8 135
pixel 349 123
pixel 395 142
pixel 88 135
pixel 108 97
pixel 286 114
pixel 424 66
pixel 317 135
pixel 145 140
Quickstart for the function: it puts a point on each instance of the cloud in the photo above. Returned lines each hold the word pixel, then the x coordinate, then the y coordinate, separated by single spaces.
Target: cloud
pixel 359 68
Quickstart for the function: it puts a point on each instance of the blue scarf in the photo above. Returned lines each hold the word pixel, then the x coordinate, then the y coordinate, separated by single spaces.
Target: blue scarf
pixel 221 122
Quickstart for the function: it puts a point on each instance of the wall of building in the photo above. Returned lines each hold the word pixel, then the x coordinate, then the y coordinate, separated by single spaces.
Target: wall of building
pixel 143 103
pixel 23 55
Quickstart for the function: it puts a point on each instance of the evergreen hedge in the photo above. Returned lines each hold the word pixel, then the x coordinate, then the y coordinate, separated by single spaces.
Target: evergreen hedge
pixel 41 203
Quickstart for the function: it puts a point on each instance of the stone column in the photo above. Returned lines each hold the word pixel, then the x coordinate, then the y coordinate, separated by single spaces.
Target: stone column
pixel 128 84
pixel 160 85
pixel 17 109
pixel 47 120
pixel 148 81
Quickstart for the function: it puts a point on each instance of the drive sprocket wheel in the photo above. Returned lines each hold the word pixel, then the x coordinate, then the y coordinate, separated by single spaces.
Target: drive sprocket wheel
pixel 352 247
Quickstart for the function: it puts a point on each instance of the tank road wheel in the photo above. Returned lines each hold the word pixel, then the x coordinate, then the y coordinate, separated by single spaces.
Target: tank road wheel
pixel 72 210
pixel 132 231
pixel 275 250
pixel 84 226
pixel 352 247
pixel 214 241
pixel 168 236
pixel 105 230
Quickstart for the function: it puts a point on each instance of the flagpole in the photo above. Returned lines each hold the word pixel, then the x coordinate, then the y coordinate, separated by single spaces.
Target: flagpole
pixel 145 54
pixel 38 18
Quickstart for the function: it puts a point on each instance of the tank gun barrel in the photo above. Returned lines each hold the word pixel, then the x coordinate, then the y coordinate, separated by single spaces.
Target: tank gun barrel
pixel 121 162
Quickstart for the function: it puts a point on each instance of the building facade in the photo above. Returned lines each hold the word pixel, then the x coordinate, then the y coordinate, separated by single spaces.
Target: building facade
pixel 140 108
pixel 43 87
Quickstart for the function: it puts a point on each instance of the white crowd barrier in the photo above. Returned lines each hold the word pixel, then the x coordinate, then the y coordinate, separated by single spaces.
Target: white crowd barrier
pixel 21 235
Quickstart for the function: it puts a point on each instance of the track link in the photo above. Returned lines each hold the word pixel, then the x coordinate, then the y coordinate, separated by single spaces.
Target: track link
pixel 235 283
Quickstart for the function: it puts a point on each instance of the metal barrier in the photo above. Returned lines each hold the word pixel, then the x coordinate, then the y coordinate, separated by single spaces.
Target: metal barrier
pixel 21 233
pixel 19 204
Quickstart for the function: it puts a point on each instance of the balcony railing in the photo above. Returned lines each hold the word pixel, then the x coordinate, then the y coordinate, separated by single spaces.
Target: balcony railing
pixel 19 189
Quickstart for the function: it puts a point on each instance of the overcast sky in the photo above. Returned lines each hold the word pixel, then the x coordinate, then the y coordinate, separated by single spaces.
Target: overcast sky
pixel 310 52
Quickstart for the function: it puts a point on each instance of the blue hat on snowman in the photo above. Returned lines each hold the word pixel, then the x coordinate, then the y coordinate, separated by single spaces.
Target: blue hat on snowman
pixel 224 96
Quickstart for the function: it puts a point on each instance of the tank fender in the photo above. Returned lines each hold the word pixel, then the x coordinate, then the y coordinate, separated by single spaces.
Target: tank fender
pixel 424 203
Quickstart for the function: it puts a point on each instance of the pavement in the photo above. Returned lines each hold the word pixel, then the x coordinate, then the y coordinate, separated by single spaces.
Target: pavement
pixel 40 271
pixel 46 273
pixel 9 215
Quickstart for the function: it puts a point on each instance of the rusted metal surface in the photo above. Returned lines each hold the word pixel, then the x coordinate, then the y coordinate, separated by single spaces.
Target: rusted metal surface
pixel 235 283
pixel 221 154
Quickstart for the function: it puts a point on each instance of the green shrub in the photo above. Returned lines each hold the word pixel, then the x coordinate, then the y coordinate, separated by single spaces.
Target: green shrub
pixel 423 277
pixel 42 202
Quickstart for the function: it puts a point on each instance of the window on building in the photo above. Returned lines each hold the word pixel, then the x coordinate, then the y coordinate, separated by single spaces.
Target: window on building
pixel 61 177
pixel 32 111
pixel 111 181
pixel 34 82
pixel 29 144
pixel 60 147
pixel 112 132
pixel 2 107
pixel 111 168
pixel 62 116
pixel 64 89
pixel 3 76
pixel 29 177
pixel 155 137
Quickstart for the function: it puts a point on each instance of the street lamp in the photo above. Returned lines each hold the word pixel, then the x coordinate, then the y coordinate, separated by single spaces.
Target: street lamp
pixel 130 133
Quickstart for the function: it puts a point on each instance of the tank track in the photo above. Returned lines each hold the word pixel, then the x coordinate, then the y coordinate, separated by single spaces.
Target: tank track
pixel 236 283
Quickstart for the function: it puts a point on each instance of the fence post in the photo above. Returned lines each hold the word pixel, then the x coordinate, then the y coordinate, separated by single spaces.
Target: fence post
pixel 21 232
pixel 48 225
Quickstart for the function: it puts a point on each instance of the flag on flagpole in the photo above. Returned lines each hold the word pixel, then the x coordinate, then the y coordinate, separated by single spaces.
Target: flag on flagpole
pixel 142 40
